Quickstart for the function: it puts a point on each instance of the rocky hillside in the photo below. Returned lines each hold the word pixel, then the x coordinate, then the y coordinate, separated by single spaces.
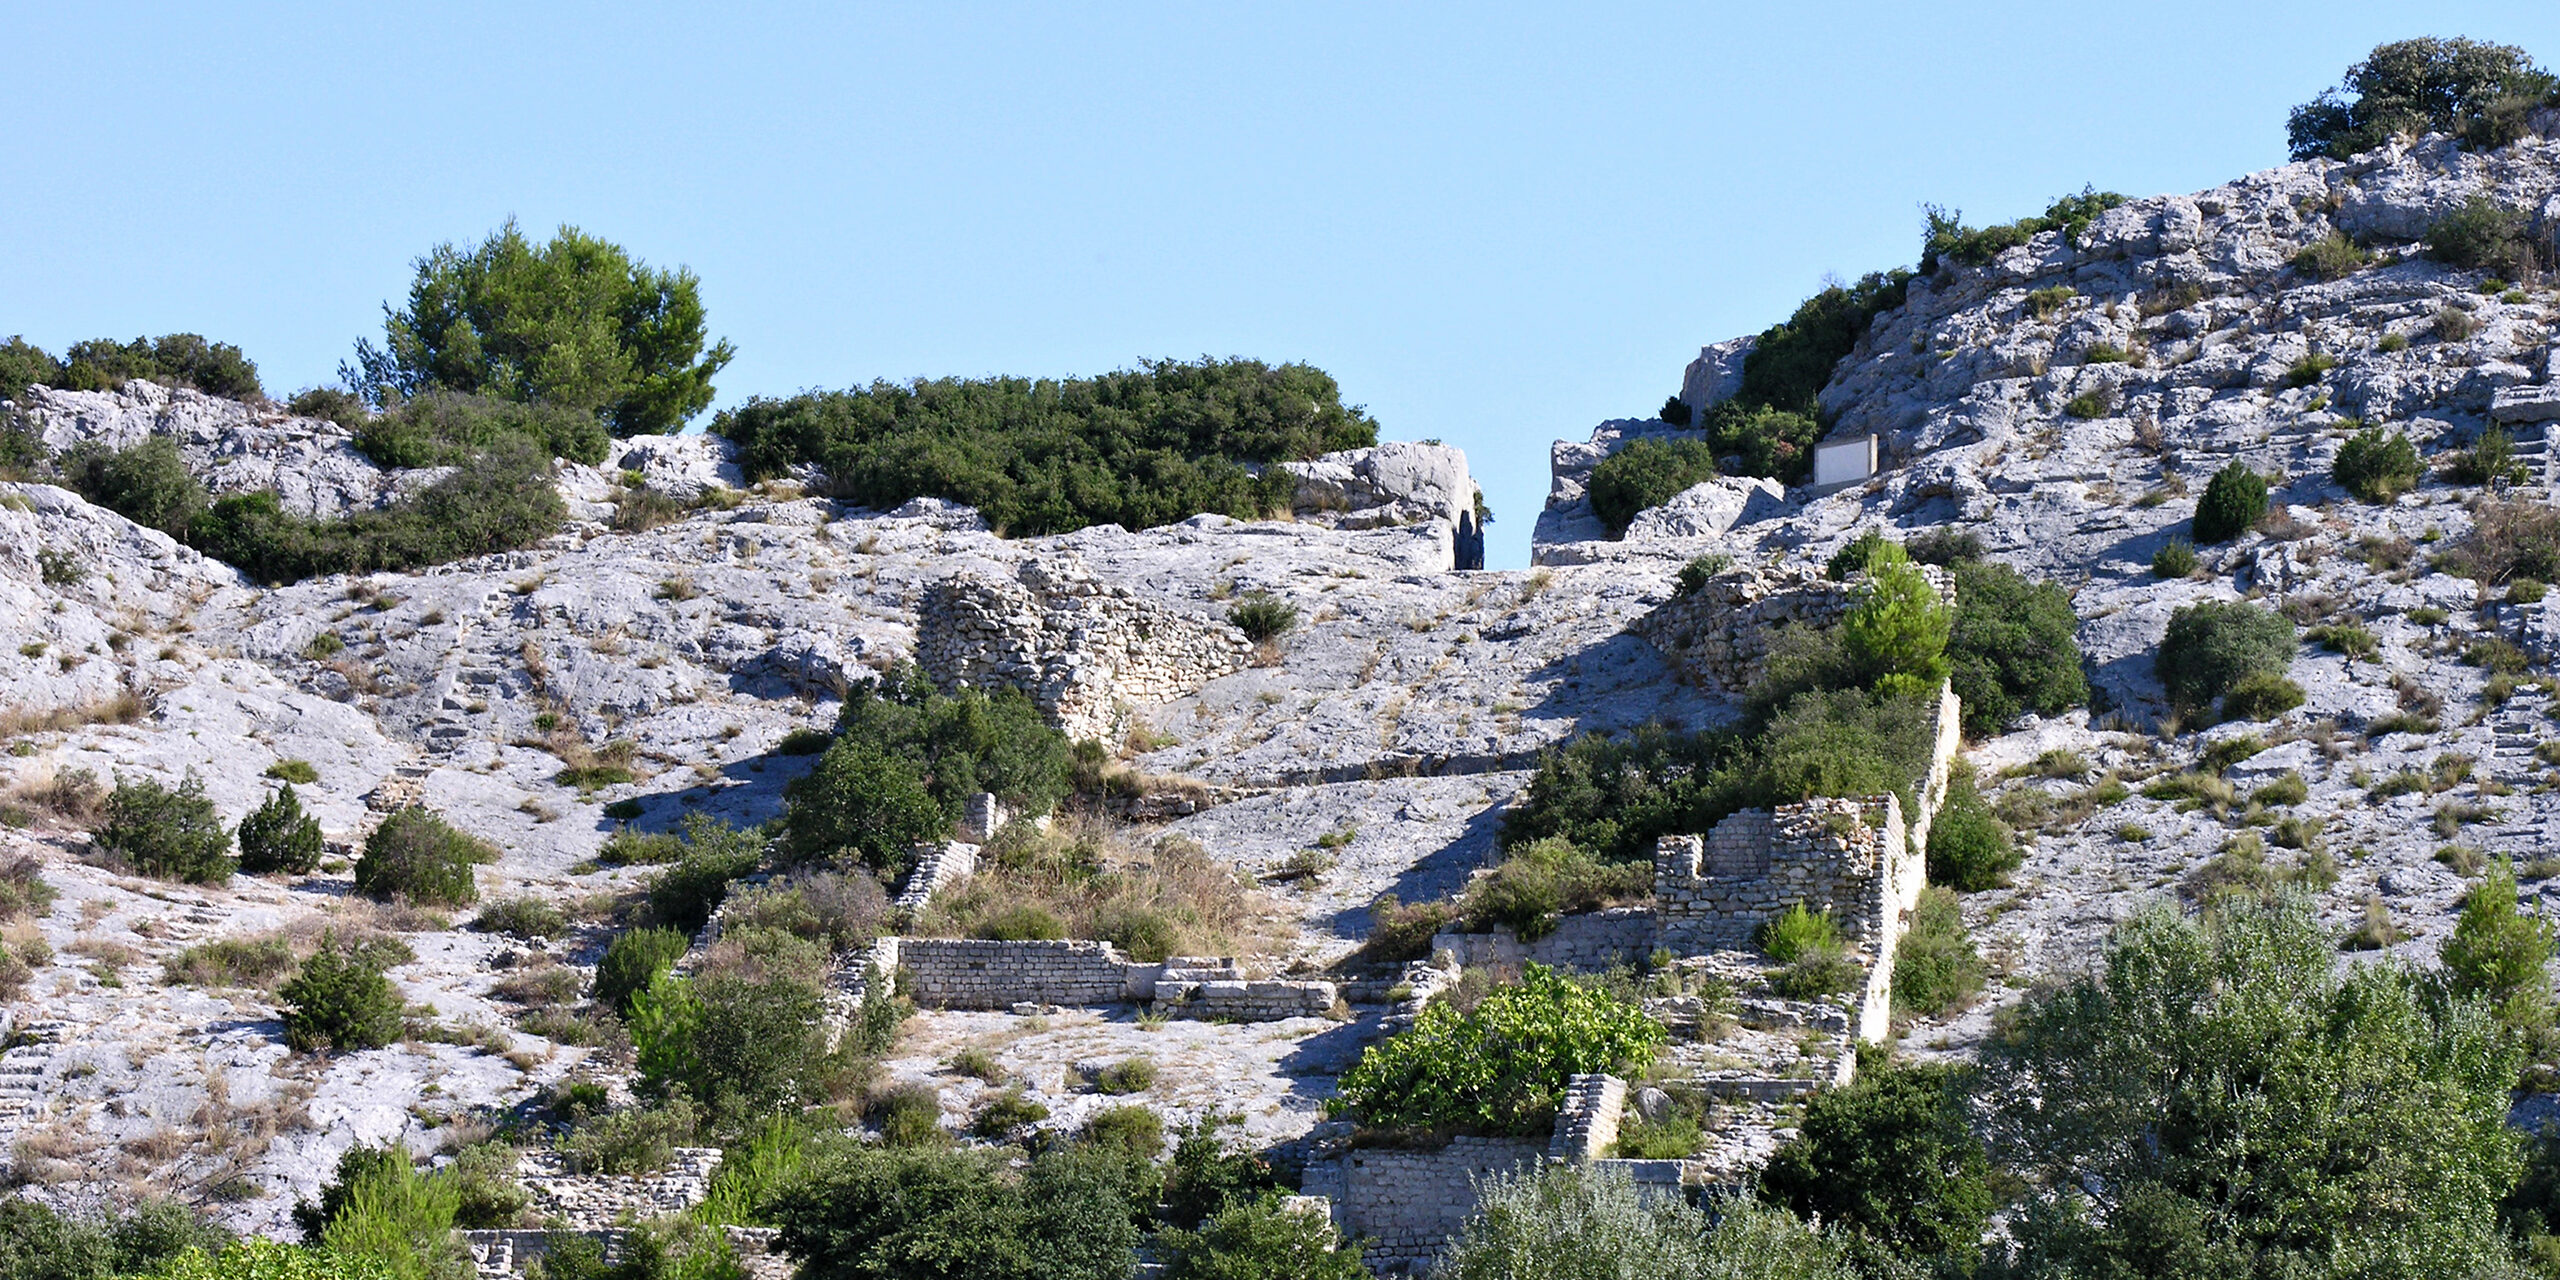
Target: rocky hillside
pixel 2065 404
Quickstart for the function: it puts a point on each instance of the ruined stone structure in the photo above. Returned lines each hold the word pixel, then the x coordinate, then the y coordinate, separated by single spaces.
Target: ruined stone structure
pixel 1082 649
pixel 971 973
pixel 507 1252
pixel 1588 942
pixel 596 1200
pixel 1409 1203
pixel 1719 635
pixel 942 866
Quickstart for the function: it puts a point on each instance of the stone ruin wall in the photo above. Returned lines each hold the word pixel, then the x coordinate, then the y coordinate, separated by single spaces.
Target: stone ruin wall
pixel 1409 1203
pixel 1585 943
pixel 971 973
pixel 598 1206
pixel 1719 635
pixel 1084 650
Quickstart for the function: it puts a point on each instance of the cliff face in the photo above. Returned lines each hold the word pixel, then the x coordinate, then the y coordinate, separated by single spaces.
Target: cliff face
pixel 2064 404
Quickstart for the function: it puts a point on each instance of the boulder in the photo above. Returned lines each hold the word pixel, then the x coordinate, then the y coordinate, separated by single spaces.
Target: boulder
pixel 1716 375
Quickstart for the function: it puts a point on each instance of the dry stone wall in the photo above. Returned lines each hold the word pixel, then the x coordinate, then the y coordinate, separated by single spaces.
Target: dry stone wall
pixel 598 1200
pixel 972 973
pixel 1410 1203
pixel 1083 650
pixel 1586 942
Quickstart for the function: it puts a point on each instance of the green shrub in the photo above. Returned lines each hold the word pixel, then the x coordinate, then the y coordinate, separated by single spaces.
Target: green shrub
pixel 1540 880
pixel 294 771
pixel 333 404
pixel 1970 848
pixel 2089 404
pixel 176 360
pixel 231 962
pixel 908 1116
pixel 1936 970
pixel 2048 302
pixel 501 500
pixel 2309 369
pixel 1645 474
pixel 1129 1075
pixel 870 1213
pixel 1259 1239
pixel 147 483
pixel 632 961
pixel 2490 459
pixel 1949 240
pixel 1500 1067
pixel 1590 1222
pixel 633 1140
pixel 743 1045
pixel 683 896
pixel 23 890
pixel 575 324
pixel 24 364
pixel 1262 616
pixel 1869 550
pixel 2260 696
pixel 1137 448
pixel 418 856
pixel 2484 235
pixel 2233 500
pixel 175 835
pixel 906 759
pixel 1006 1114
pixel 2498 952
pixel 2013 647
pixel 1798 932
pixel 2332 257
pixel 1615 795
pixel 804 741
pixel 1701 570
pixel 1894 636
pixel 1205 1176
pixel 1130 1129
pixel 2175 559
pixel 2212 646
pixel 1024 923
pixel 842 912
pixel 340 1000
pixel 1944 547
pixel 443 428
pixel 522 917
pixel 2478 91
pixel 278 837
pixel 2375 467
pixel 1400 933
pixel 1893 1161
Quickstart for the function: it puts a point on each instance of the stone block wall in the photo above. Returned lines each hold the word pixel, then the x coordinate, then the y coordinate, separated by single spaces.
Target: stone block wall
pixel 585 1200
pixel 1587 942
pixel 1587 1120
pixel 1409 1203
pixel 971 973
pixel 500 1254
pixel 1719 635
pixel 943 866
pixel 1082 649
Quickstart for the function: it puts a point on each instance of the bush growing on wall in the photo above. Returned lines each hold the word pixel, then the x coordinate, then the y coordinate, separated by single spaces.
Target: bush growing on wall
pixel 175 835
pixel 418 856
pixel 1501 1067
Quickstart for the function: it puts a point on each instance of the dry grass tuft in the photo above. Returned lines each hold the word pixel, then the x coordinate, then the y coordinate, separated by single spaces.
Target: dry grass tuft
pixel 1089 877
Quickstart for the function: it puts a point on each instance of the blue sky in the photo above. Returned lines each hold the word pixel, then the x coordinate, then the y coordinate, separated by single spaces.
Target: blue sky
pixel 1495 224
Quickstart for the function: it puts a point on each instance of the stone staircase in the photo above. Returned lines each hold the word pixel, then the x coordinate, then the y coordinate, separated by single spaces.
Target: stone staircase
pixel 2527 414
pixel 25 1070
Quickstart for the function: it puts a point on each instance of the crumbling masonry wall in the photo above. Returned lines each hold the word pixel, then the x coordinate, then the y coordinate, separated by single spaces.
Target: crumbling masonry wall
pixel 1409 1204
pixel 972 973
pixel 1719 636
pixel 1084 650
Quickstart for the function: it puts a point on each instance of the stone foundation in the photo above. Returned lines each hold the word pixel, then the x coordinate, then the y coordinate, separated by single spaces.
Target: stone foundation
pixel 1408 1204
pixel 1587 943
pixel 970 973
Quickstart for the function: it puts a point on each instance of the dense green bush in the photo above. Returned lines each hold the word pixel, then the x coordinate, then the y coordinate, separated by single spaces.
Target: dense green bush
pixel 1891 1159
pixel 2260 696
pixel 278 836
pixel 1838 743
pixel 1970 848
pixel 1137 448
pixel 38 1242
pixel 1943 546
pixel 418 856
pixel 1613 796
pixel 2478 91
pixel 1586 1222
pixel 683 896
pixel 175 835
pixel 446 428
pixel 2233 500
pixel 522 917
pixel 2484 235
pixel 24 364
pixel 861 803
pixel 147 483
pixel 632 961
pixel 742 1045
pixel 2376 467
pixel 1797 932
pixel 869 1213
pixel 1262 616
pixel 499 501
pixel 2175 559
pixel 1206 1175
pixel 340 1000
pixel 1502 1066
pixel 104 364
pixel 2500 954
pixel 1949 240
pixel 575 324
pixel 2211 646
pixel 2332 257
pixel 2013 647
pixel 2178 1112
pixel 907 757
pixel 1543 879
pixel 1894 636
pixel 1260 1239
pixel 1645 474
pixel 1936 970
pixel 335 404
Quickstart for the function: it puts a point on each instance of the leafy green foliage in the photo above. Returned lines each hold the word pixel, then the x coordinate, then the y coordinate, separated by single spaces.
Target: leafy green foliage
pixel 683 896
pixel 2175 559
pixel 1645 474
pixel 2260 695
pixel 1936 970
pixel 340 1000
pixel 2375 467
pixel 1583 1222
pixel 175 835
pixel 1263 616
pixel 632 961
pixel 2212 1102
pixel 2233 500
pixel 2210 647
pixel 906 759
pixel 1137 448
pixel 1695 575
pixel 24 364
pixel 278 836
pixel 103 364
pixel 1205 1176
pixel 575 323
pixel 147 483
pixel 446 428
pixel 1769 426
pixel 524 916
pixel 1543 879
pixel 1894 636
pixel 1949 240
pixel 1970 848
pixel 396 1217
pixel 2332 257
pixel 1258 1239
pixel 1614 796
pixel 1891 1159
pixel 2013 647
pixel 256 1259
pixel 2478 91
pixel 498 501
pixel 2484 235
pixel 418 856
pixel 870 1213
pixel 39 1243
pixel 2500 954
pixel 743 1044
pixel 1798 932
pixel 1501 1067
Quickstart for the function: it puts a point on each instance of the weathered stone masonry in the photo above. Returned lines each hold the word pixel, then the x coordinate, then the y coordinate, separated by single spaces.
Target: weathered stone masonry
pixel 971 973
pixel 1719 635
